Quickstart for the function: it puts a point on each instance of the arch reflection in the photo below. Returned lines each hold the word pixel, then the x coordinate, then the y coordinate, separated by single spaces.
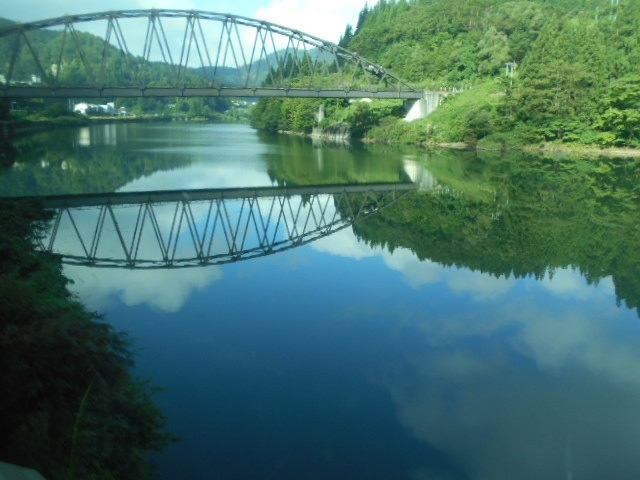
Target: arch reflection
pixel 178 229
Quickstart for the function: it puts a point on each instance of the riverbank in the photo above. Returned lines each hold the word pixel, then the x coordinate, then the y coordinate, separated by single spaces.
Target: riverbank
pixel 13 129
pixel 583 150
pixel 549 149
pixel 338 133
pixel 341 132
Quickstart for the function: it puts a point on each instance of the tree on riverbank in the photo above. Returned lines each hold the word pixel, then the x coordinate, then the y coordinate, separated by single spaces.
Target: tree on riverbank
pixel 71 407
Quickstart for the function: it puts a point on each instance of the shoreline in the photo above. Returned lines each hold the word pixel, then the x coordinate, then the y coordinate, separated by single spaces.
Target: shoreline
pixel 9 130
pixel 14 129
pixel 586 150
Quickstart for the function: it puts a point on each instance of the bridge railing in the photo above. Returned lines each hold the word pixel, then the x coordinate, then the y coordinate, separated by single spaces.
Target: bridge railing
pixel 182 53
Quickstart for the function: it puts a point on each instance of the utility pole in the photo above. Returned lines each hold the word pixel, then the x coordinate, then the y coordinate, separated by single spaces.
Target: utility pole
pixel 510 68
pixel 612 15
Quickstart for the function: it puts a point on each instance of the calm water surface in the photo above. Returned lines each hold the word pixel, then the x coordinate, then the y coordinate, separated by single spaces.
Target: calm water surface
pixel 485 327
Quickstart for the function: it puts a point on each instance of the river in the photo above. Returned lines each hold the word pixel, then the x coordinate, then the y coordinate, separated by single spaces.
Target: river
pixel 484 326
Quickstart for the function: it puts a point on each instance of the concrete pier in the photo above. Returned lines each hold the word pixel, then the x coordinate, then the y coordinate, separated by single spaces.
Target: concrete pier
pixel 423 107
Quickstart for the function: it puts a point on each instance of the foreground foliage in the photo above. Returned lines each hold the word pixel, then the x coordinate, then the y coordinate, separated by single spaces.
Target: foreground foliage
pixel 71 407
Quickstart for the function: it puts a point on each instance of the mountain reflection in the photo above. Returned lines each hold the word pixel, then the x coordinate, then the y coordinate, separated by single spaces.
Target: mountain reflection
pixel 516 216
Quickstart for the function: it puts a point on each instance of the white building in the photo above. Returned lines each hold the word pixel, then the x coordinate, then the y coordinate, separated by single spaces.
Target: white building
pixel 87 108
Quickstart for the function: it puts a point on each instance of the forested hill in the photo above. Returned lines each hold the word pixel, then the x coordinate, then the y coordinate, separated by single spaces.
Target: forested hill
pixel 49 45
pixel 576 68
pixel 445 42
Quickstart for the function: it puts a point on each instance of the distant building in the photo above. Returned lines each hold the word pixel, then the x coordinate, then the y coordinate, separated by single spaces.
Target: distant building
pixel 81 108
pixel 88 108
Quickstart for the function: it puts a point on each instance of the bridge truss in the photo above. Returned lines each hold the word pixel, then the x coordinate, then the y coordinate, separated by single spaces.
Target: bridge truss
pixel 182 53
pixel 177 229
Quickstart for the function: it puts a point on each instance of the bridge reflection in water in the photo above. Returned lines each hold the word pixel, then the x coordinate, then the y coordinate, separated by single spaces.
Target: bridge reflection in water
pixel 177 229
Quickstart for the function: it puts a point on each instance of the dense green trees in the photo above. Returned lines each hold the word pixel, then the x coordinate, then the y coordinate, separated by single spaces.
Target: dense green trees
pixel 288 114
pixel 572 78
pixel 71 407
pixel 620 112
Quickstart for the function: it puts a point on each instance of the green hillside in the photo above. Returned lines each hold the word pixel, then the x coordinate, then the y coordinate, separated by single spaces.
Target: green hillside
pixel 118 70
pixel 573 76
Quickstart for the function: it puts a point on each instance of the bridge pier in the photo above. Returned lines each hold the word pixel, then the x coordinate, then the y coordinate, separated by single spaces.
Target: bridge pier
pixel 424 106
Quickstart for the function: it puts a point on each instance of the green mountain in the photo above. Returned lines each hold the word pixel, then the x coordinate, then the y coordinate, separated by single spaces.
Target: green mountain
pixel 47 44
pixel 119 68
pixel 529 71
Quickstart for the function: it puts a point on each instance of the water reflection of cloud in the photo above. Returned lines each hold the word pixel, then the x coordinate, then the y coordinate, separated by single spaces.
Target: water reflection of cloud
pixel 576 339
pixel 461 280
pixel 344 243
pixel 569 282
pixel 201 175
pixel 525 390
pixel 164 290
pixel 417 272
pixel 541 383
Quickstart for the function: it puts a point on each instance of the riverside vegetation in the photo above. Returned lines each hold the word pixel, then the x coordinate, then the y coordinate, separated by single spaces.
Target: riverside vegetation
pixel 533 72
pixel 71 407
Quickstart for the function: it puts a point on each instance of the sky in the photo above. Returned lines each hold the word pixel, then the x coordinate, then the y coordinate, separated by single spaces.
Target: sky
pixel 325 19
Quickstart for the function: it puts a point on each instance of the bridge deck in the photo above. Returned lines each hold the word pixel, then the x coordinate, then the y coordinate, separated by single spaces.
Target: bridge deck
pixel 127 198
pixel 250 92
pixel 185 53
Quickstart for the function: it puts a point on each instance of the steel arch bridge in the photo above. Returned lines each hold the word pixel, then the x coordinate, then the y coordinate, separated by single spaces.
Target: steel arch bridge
pixel 182 53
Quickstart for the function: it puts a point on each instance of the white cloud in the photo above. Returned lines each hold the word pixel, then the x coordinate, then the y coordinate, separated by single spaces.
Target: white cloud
pixel 326 19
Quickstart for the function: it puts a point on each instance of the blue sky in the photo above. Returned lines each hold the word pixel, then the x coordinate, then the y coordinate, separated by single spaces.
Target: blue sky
pixel 325 19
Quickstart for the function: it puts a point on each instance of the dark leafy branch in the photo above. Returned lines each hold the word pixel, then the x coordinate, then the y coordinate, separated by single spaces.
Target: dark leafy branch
pixel 71 407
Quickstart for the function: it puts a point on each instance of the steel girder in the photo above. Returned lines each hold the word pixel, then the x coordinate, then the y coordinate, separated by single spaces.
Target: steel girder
pixel 198 54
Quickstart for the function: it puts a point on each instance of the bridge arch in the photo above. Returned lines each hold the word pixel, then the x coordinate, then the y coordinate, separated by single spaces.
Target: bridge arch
pixel 183 53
